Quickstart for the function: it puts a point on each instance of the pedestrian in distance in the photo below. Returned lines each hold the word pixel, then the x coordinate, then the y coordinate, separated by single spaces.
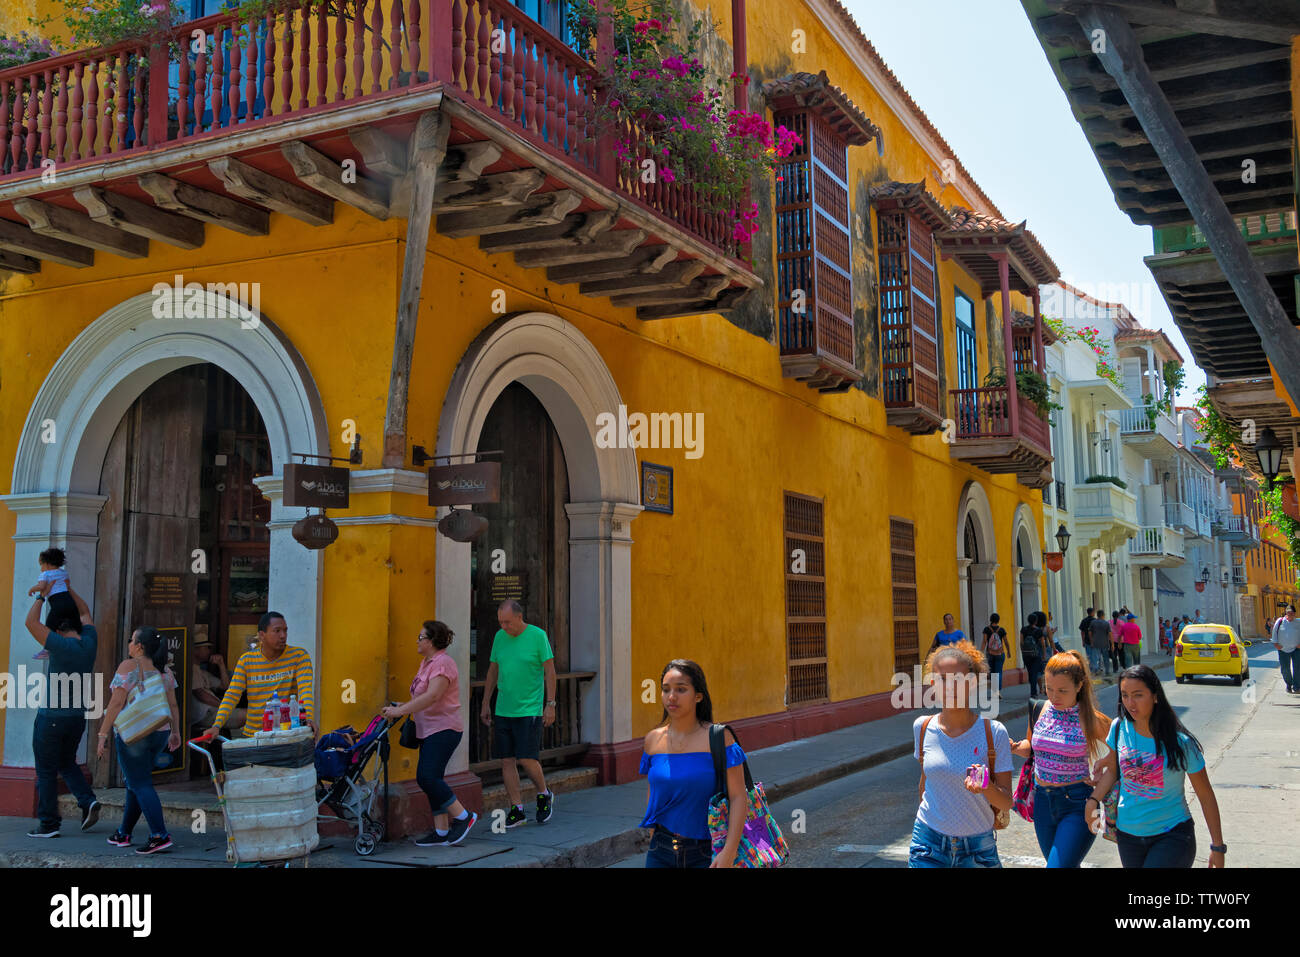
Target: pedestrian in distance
pixel 146 655
pixel 994 648
pixel 1100 644
pixel 965 768
pixel 1131 641
pixel 1031 652
pixel 1049 632
pixel 678 762
pixel 949 635
pixel 1116 661
pixel 1199 619
pixel 435 709
pixel 522 662
pixel 1152 754
pixel 1065 736
pixel 1085 638
pixel 1286 639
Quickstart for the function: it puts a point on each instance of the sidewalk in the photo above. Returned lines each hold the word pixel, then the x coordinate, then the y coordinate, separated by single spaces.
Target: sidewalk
pixel 591 828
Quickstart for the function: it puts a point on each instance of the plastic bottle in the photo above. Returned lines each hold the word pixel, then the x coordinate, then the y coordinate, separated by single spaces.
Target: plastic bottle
pixel 284 716
pixel 267 719
pixel 271 721
pixel 295 719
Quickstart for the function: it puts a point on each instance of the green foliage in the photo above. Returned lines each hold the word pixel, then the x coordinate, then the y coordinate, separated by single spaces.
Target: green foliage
pixel 1112 479
pixel 18 49
pixel 1091 337
pixel 1286 526
pixel 1217 432
pixel 1174 375
pixel 1029 384
pixel 96 23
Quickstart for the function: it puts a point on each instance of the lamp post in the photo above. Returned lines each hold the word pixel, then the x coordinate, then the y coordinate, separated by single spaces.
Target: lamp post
pixel 1063 538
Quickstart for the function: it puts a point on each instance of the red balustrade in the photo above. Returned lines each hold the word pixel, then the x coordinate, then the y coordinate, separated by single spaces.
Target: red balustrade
pixel 90 106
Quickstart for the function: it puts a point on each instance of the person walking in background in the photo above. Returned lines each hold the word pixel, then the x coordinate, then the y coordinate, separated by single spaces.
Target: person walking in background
pixel 435 709
pixel 146 655
pixel 1199 619
pixel 1031 652
pixel 965 768
pixel 56 733
pixel 1286 639
pixel 1151 755
pixel 994 648
pixel 678 762
pixel 1085 636
pixel 1116 661
pixel 1100 642
pixel 522 663
pixel 950 634
pixel 1049 631
pixel 1131 637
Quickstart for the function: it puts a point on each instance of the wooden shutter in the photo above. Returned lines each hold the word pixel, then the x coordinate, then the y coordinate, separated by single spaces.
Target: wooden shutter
pixel 902 561
pixel 805 601
pixel 909 343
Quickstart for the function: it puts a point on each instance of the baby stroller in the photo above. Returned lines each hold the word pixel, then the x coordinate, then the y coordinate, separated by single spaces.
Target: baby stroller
pixel 342 785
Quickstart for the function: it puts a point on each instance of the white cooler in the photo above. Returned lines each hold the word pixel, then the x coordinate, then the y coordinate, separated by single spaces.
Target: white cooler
pixel 270 811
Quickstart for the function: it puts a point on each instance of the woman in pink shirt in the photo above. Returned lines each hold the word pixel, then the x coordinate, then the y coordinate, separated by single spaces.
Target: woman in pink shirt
pixel 435 709
pixel 1131 636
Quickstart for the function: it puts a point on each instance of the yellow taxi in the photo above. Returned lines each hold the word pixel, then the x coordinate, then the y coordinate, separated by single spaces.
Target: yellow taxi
pixel 1210 650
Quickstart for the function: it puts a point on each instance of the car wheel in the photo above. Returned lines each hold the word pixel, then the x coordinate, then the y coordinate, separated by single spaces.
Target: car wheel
pixel 1181 679
pixel 1236 680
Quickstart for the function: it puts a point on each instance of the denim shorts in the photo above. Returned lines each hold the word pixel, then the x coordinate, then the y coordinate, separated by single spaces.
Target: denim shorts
pixel 669 850
pixel 932 849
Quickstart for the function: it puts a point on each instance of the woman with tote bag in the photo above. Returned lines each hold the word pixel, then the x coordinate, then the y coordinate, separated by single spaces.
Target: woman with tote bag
pixel 142 727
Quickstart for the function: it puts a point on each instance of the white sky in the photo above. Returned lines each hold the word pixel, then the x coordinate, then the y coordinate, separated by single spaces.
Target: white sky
pixel 977 70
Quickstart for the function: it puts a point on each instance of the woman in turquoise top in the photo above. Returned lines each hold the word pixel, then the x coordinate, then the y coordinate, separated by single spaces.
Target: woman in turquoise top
pixel 1152 753
pixel 679 764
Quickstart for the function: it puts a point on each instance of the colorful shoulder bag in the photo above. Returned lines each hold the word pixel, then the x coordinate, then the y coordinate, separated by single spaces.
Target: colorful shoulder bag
pixel 1023 804
pixel 761 842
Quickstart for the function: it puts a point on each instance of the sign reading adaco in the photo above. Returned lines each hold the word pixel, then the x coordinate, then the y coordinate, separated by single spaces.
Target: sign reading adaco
pixel 315 486
pixel 473 484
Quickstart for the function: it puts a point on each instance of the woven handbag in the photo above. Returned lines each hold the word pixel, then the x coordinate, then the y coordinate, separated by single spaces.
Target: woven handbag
pixel 145 710
pixel 761 842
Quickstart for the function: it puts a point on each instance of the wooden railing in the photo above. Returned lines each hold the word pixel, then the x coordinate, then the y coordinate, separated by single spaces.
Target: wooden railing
pixel 561 740
pixel 981 413
pixel 298 60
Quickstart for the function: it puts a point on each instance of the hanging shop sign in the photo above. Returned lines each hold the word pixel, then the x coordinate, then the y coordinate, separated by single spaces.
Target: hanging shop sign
pixel 475 483
pixel 315 486
pixel 315 531
pixel 657 488
pixel 462 525
pixel 1200 586
pixel 1055 561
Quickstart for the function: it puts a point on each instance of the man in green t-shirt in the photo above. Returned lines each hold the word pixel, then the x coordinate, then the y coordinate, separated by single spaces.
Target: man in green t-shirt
pixel 521 663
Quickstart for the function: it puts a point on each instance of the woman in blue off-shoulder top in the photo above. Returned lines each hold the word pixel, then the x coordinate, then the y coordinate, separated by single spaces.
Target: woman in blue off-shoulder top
pixel 679 765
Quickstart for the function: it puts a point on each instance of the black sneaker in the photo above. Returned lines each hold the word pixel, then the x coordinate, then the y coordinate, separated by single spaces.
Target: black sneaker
pixel 155 844
pixel 544 802
pixel 460 828
pixel 90 815
pixel 118 839
pixel 432 839
pixel 44 830
pixel 516 817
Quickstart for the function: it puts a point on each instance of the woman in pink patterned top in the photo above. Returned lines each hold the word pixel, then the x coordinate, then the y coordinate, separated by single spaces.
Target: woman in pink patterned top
pixel 1063 746
pixel 435 709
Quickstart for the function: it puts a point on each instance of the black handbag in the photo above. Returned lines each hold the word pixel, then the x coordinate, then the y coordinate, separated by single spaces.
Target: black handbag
pixel 406 737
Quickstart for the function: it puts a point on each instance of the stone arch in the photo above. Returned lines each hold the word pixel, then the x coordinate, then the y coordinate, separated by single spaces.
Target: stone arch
pixel 975 573
pixel 560 366
pixel 1027 552
pixel 55 488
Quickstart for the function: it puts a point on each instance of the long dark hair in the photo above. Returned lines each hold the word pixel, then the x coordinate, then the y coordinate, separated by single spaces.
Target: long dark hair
pixel 151 640
pixel 695 675
pixel 1165 726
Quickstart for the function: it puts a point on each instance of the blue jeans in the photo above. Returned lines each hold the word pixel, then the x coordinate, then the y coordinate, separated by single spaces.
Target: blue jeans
pixel 137 763
pixel 1033 665
pixel 1288 663
pixel 54 746
pixel 1174 848
pixel 435 751
pixel 932 849
pixel 1096 660
pixel 1063 834
pixel 665 851
pixel 995 668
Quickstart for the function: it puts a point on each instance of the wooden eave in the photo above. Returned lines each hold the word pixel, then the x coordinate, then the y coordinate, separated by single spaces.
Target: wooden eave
pixel 915 199
pixel 814 91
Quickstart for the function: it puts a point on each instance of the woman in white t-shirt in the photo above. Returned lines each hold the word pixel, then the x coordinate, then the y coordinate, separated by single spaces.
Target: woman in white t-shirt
pixel 955 821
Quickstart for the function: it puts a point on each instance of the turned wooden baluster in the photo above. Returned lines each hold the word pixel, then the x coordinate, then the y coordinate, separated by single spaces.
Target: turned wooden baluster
pixel 4 123
pixel 90 112
pixel 200 86
pixel 268 67
pixel 340 57
pixel 60 121
pixel 506 66
pixel 304 59
pixel 250 76
pixel 322 52
pixel 236 52
pixel 359 47
pixel 286 64
pixel 74 113
pixel 218 76
pixel 525 51
pixel 16 139
pixel 33 112
pixel 376 48
pixel 119 104
pixel 413 37
pixel 394 38
pixel 137 101
pixel 552 76
pixel 183 91
pixel 457 44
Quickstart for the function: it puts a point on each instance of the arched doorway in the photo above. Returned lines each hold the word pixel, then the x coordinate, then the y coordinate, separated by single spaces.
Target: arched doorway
pixel 976 558
pixel 554 362
pixel 1028 571
pixel 56 494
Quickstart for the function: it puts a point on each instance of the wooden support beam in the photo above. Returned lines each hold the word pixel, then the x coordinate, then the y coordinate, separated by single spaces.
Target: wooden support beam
pixel 1248 19
pixel 1122 57
pixel 20 239
pixel 1213 91
pixel 132 216
pixel 499 189
pixel 275 194
pixel 56 222
pixel 675 276
pixel 428 149
pixel 645 260
pixel 576 230
pixel 544 209
pixel 204 205
pixel 1191 56
pixel 726 301
pixel 380 152
pixel 16 262
pixel 321 173
pixel 614 244
pixel 704 288
pixel 466 162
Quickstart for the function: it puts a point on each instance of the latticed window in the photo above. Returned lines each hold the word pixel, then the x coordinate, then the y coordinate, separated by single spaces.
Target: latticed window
pixel 805 600
pixel 902 563
pixel 909 341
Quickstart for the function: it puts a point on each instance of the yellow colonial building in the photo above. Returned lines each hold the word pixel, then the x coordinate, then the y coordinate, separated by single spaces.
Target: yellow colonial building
pixel 399 242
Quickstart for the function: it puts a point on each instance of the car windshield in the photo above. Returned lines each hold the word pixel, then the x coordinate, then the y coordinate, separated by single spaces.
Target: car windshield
pixel 1205 637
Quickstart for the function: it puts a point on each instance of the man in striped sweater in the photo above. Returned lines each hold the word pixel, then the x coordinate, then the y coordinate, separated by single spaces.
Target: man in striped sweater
pixel 271 667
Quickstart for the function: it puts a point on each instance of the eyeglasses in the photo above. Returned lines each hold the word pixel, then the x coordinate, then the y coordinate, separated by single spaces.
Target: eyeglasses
pixel 423 637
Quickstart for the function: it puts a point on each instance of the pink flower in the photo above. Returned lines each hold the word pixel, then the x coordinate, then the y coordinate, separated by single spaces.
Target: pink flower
pixel 667 175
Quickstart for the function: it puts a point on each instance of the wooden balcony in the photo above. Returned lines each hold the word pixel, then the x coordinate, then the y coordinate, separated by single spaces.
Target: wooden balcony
pixel 986 439
pixel 291 112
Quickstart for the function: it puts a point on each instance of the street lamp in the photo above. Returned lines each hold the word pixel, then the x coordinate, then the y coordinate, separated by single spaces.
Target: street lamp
pixel 1105 441
pixel 1205 575
pixel 1269 451
pixel 1063 538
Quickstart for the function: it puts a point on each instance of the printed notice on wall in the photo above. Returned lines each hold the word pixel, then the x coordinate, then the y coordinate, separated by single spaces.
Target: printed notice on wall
pixel 163 590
